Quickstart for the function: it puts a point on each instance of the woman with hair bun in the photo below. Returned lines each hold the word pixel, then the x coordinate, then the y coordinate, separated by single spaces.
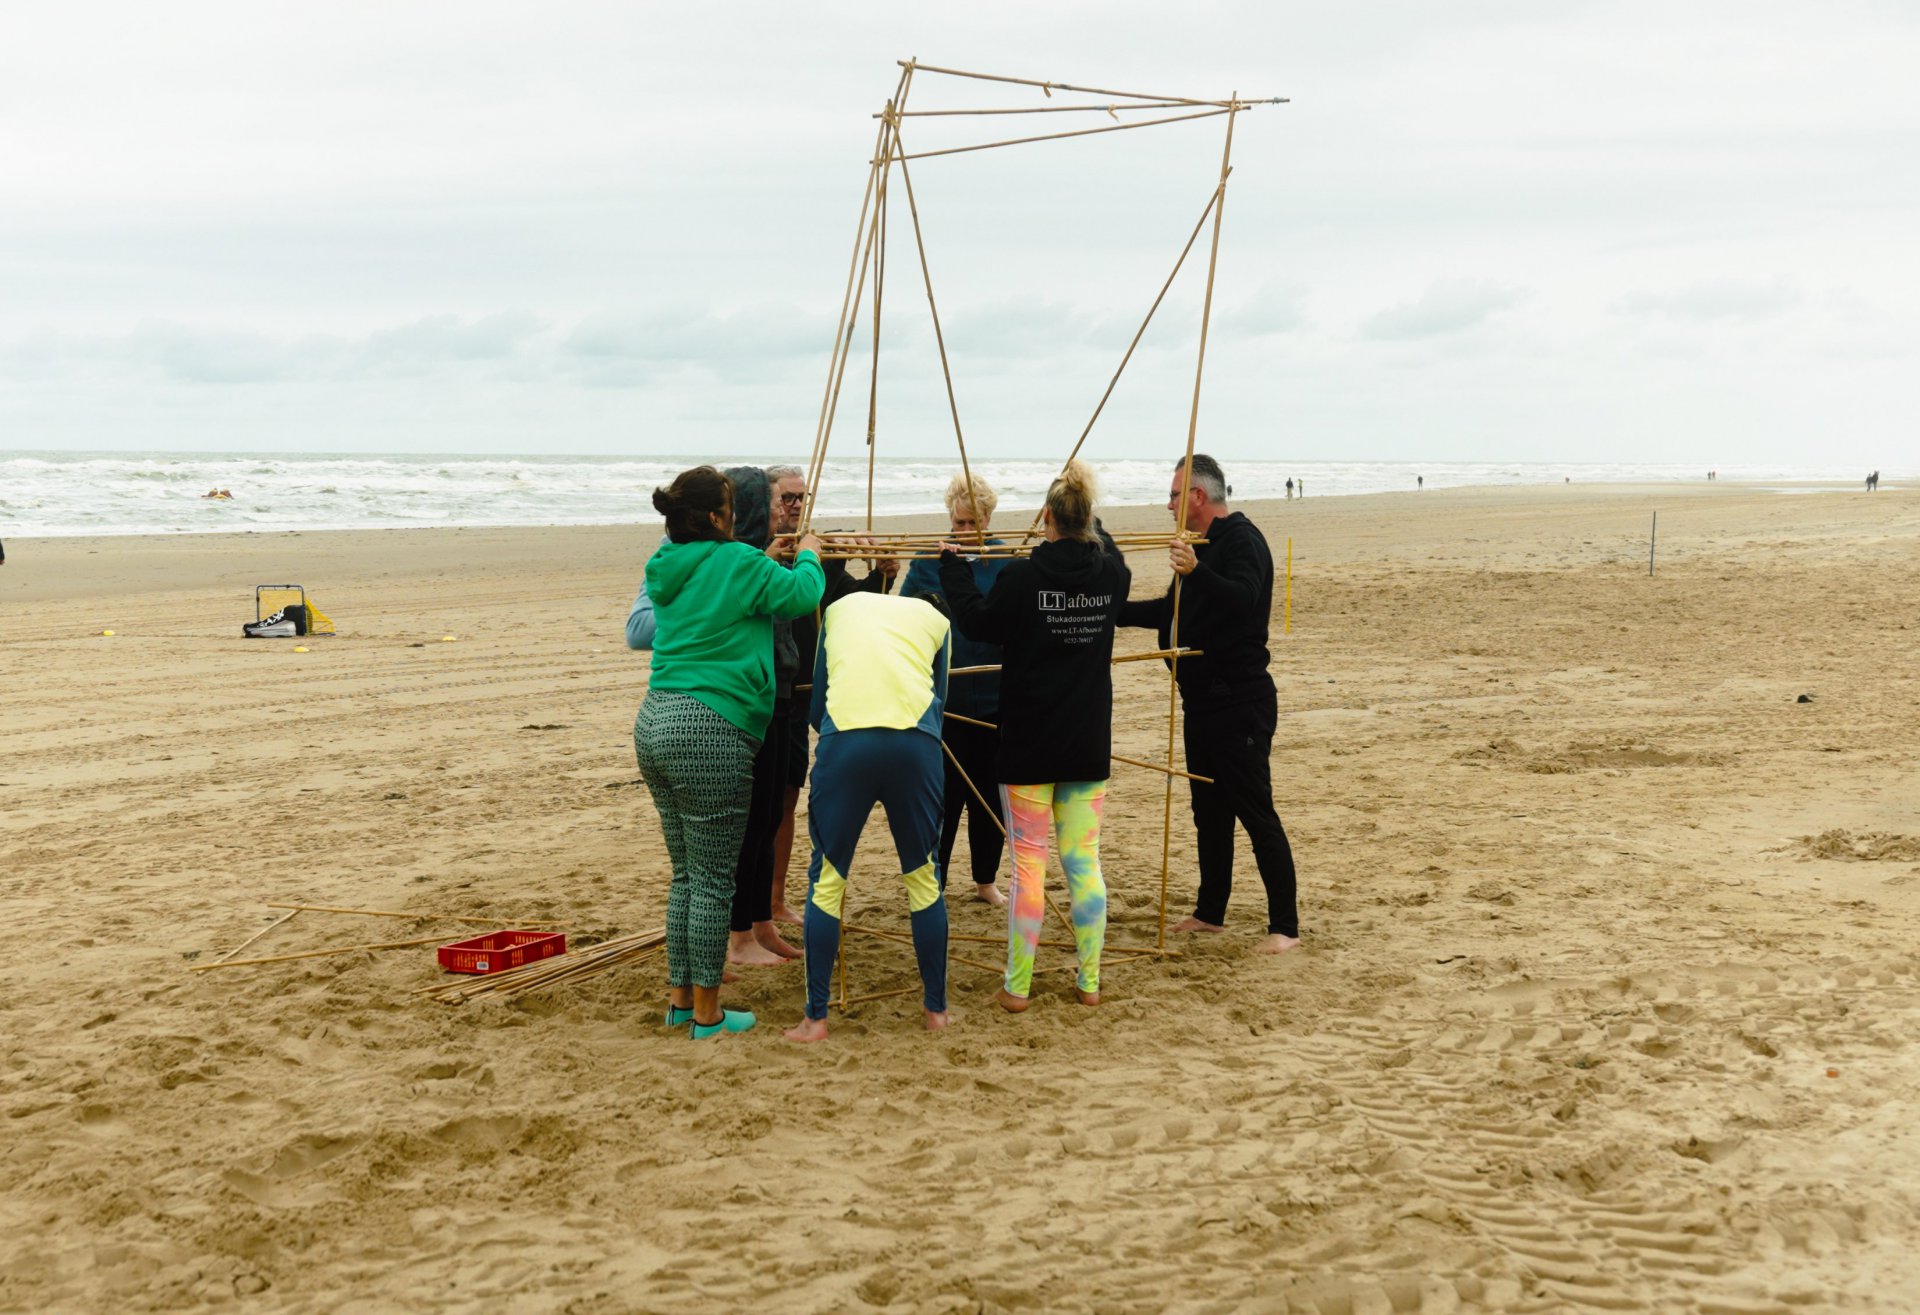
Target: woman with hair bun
pixel 708 703
pixel 1054 615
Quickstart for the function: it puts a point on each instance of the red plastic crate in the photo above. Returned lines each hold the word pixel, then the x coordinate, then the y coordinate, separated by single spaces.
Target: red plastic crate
pixel 498 951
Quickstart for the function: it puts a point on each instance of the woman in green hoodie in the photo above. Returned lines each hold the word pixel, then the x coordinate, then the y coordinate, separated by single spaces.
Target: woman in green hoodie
pixel 708 703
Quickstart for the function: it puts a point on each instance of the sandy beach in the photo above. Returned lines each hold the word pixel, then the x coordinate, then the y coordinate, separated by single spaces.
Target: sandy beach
pixel 1610 892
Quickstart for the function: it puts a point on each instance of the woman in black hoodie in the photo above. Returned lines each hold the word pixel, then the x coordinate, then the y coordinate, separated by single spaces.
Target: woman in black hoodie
pixel 1054 615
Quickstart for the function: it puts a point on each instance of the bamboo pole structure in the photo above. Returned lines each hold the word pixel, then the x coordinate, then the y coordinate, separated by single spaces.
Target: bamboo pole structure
pixel 1186 489
pixel 280 921
pixel 1286 625
pixel 1058 136
pixel 1119 758
pixel 1213 199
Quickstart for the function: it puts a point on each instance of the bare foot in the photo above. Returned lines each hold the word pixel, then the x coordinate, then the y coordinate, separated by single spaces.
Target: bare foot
pixel 807 1031
pixel 989 893
pixel 936 1021
pixel 743 950
pixel 1194 924
pixel 786 917
pixel 1013 1004
pixel 768 939
pixel 1087 998
pixel 1277 944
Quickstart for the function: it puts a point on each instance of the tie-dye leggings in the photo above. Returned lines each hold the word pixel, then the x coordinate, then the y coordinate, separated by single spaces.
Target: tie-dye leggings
pixel 1073 808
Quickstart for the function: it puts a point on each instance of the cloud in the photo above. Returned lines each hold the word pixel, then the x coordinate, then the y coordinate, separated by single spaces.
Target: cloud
pixel 1448 306
pixel 1714 299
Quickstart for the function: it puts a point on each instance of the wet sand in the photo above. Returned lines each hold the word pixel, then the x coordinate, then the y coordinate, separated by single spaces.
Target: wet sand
pixel 1608 1001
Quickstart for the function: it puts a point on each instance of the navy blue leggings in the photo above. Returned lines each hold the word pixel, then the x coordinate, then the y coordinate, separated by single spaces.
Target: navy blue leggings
pixel 853 771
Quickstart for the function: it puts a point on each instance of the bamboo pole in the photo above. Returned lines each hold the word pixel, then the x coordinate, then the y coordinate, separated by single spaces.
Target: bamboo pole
pixel 1286 626
pixel 1186 488
pixel 879 285
pixel 1049 87
pixel 280 921
pixel 1056 136
pixel 841 332
pixel 971 721
pixel 440 917
pixel 1113 107
pixel 1156 767
pixel 939 338
pixel 1159 654
pixel 314 954
pixel 1212 200
pixel 848 1002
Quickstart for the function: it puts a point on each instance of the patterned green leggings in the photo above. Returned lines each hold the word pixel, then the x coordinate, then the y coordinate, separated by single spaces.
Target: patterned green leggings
pixel 699 767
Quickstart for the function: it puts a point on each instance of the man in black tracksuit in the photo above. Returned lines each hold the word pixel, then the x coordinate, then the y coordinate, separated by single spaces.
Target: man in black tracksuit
pixel 1226 597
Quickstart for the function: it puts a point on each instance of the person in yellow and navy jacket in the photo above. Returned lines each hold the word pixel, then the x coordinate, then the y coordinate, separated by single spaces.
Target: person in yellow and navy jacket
pixel 879 691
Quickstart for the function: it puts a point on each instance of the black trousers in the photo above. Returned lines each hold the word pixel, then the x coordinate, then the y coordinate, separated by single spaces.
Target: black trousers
pixel 976 747
pixel 753 872
pixel 1233 744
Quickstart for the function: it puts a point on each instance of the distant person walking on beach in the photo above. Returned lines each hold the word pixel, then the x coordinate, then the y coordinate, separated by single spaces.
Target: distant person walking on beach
pixel 708 702
pixel 1289 488
pixel 1420 481
pixel 1231 705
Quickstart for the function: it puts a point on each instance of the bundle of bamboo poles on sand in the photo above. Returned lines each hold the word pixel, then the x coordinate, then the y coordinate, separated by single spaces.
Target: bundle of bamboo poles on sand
pixel 573 966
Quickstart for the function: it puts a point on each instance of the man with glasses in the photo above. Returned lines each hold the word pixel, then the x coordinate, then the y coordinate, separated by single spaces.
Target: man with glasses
pixel 1227 694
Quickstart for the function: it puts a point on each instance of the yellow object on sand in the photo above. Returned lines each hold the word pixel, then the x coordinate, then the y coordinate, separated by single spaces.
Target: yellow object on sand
pixel 106 632
pixel 299 650
pixel 446 639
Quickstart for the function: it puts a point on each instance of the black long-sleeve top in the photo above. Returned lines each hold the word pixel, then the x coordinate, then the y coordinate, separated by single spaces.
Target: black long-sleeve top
pixel 1053 613
pixel 1225 604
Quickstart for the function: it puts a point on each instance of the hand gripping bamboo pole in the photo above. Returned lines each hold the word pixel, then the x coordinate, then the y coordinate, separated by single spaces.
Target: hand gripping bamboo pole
pixel 939 338
pixel 1213 199
pixel 1186 488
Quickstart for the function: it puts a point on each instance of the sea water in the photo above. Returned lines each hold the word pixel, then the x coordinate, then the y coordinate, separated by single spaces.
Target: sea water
pixel 54 493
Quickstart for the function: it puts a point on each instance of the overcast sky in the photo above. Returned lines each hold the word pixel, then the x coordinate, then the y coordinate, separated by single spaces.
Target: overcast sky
pixel 1508 231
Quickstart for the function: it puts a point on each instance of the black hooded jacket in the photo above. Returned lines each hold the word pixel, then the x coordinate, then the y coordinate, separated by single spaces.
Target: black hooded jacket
pixel 753 525
pixel 1225 605
pixel 1054 615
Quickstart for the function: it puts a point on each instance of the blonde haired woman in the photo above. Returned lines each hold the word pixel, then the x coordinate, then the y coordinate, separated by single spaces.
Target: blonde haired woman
pixel 969 515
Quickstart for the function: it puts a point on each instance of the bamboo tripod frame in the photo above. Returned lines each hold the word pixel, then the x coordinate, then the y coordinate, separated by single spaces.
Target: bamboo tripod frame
pixel 869 255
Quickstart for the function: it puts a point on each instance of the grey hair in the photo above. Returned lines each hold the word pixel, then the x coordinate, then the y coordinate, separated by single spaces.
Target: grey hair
pixel 1208 475
pixel 777 473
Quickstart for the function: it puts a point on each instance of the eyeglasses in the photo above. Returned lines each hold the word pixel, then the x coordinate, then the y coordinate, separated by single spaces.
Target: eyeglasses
pixel 792 499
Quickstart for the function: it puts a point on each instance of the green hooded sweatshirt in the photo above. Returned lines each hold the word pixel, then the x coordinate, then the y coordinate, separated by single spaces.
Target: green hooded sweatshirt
pixel 714 603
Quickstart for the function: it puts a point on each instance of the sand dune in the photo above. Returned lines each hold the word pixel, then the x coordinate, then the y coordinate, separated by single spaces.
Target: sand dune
pixel 1609 999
